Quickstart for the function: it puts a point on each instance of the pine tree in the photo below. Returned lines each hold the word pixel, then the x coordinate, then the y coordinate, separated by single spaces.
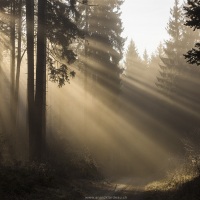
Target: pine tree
pixel 173 52
pixel 155 57
pixel 176 75
pixel 59 37
pixel 132 59
pixel 57 27
pixel 145 58
pixel 30 81
pixel 101 53
pixel 193 21
pixel 105 43
pixel 154 64
pixel 19 51
pixel 177 79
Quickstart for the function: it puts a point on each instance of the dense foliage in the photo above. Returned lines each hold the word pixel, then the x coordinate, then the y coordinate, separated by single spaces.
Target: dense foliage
pixel 193 21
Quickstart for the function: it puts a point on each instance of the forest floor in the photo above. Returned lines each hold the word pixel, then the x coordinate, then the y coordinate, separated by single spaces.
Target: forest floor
pixel 158 190
pixel 84 189
pixel 36 182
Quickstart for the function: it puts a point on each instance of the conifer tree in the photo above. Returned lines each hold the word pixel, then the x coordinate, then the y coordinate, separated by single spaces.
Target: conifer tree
pixel 60 36
pixel 155 57
pixel 132 59
pixel 146 58
pixel 105 43
pixel 173 52
pixel 154 64
pixel 193 21
pixel 174 66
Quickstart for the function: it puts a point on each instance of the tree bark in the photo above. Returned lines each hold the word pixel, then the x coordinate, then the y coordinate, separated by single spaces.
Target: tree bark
pixel 12 41
pixel 40 96
pixel 11 130
pixel 30 81
pixel 19 54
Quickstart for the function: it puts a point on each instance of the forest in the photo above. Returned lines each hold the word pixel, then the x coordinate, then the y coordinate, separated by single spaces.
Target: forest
pixel 85 116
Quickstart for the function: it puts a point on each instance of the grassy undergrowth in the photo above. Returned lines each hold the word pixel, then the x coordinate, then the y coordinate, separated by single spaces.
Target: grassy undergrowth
pixel 189 190
pixel 180 184
pixel 71 175
pixel 55 179
pixel 34 181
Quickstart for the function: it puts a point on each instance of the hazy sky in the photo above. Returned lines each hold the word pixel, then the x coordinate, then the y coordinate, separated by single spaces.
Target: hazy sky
pixel 145 21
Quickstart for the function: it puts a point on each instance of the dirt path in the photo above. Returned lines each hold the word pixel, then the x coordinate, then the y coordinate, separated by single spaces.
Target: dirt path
pixel 113 190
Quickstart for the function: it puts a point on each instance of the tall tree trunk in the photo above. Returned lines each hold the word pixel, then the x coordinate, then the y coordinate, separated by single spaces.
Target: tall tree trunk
pixel 1 73
pixel 16 95
pixel 40 96
pixel 1 94
pixel 12 62
pixel 30 81
pixel 86 70
pixel 12 40
pixel 19 54
pixel 12 79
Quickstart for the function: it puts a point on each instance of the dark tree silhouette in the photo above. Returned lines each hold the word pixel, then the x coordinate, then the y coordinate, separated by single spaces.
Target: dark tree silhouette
pixel 12 42
pixel 30 82
pixel 105 43
pixel 56 26
pixel 193 21
pixel 19 50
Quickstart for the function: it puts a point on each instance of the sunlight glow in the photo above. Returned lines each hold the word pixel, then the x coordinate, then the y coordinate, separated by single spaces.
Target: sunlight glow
pixel 145 22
